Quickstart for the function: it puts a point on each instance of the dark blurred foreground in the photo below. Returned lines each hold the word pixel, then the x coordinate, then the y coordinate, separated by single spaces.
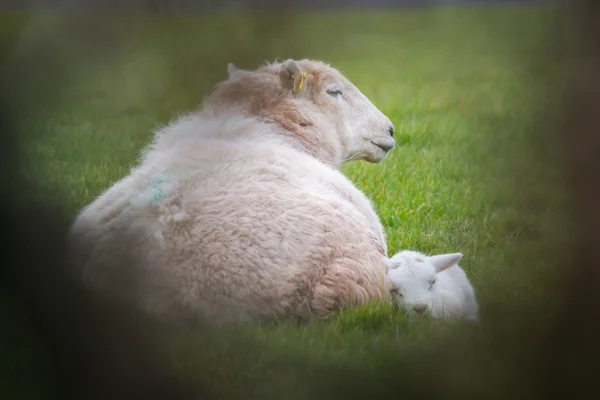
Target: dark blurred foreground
pixel 99 348
pixel 187 6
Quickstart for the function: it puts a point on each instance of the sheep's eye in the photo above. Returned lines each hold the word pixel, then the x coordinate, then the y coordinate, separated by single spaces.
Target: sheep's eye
pixel 431 283
pixel 334 92
pixel 396 293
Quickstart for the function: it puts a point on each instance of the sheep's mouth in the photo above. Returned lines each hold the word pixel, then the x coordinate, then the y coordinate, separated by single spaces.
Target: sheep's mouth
pixel 384 146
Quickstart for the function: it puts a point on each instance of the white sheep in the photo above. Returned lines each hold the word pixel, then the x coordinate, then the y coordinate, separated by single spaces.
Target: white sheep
pixel 240 210
pixel 433 285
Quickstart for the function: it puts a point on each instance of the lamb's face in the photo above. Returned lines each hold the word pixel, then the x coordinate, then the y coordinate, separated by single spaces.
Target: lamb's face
pixel 413 278
pixel 365 132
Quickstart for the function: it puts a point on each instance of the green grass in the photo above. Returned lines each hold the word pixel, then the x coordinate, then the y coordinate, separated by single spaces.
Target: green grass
pixel 464 88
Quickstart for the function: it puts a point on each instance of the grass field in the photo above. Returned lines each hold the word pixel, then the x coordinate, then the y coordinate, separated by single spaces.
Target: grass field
pixel 464 88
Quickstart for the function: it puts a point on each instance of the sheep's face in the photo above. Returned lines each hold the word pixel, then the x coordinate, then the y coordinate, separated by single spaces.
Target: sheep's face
pixel 364 132
pixel 328 115
pixel 413 276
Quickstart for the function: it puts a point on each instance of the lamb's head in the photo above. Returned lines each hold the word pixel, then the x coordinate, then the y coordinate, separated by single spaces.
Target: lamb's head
pixel 413 277
pixel 313 103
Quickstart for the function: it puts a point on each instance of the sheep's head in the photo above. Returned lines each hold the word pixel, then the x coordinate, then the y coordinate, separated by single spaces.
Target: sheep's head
pixel 413 277
pixel 315 103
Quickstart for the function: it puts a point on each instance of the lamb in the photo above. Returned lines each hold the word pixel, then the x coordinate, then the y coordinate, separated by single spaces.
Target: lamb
pixel 239 210
pixel 432 285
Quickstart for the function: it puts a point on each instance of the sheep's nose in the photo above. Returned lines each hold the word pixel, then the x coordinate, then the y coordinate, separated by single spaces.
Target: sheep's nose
pixel 391 130
pixel 420 308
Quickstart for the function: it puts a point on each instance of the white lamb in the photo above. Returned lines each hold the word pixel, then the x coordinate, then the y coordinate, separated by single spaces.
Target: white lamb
pixel 240 210
pixel 433 285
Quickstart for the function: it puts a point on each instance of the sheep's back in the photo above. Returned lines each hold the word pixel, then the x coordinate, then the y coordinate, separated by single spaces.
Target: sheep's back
pixel 248 232
pixel 233 228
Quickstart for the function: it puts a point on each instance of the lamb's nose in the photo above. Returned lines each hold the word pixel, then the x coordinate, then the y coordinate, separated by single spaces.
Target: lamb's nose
pixel 391 130
pixel 420 308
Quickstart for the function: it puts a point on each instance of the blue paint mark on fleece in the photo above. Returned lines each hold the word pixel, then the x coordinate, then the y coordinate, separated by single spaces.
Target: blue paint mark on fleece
pixel 155 190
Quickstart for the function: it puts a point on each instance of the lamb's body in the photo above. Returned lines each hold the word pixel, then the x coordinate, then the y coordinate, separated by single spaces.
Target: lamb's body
pixel 450 296
pixel 240 223
pixel 454 296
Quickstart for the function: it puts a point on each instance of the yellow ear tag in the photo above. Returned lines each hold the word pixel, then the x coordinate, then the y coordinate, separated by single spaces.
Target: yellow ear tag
pixel 302 77
pixel 293 80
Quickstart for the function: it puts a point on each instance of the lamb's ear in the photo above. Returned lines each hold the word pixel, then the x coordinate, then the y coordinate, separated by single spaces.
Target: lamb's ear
pixel 291 76
pixel 443 261
pixel 231 69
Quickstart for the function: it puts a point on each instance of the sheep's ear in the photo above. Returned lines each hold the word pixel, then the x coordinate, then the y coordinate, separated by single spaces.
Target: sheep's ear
pixel 231 69
pixel 291 76
pixel 443 261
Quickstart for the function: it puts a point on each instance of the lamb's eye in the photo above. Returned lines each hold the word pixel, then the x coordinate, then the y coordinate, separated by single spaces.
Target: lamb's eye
pixel 395 293
pixel 431 282
pixel 334 92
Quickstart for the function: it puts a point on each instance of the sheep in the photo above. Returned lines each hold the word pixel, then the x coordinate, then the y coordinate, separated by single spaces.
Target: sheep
pixel 432 285
pixel 239 209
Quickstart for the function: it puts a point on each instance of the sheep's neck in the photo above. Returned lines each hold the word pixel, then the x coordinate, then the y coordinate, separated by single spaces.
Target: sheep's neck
pixel 304 139
pixel 297 133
